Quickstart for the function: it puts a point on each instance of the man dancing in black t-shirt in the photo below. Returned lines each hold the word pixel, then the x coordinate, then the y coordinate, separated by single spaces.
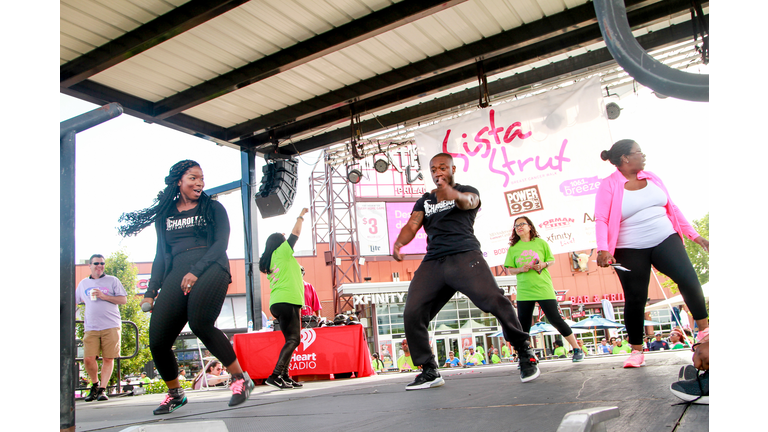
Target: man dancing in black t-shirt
pixel 453 263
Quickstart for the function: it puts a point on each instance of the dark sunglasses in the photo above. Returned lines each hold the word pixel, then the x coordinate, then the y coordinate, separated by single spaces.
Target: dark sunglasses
pixel 101 263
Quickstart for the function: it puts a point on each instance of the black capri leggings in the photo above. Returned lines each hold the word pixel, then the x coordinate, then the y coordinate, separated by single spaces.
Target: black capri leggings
pixel 201 308
pixel 668 257
pixel 551 311
pixel 289 317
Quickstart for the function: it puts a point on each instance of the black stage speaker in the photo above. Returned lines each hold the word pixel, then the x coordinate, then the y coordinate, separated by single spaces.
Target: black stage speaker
pixel 278 187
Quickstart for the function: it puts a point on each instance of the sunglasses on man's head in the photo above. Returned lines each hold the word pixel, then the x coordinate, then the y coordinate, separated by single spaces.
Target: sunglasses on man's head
pixel 98 263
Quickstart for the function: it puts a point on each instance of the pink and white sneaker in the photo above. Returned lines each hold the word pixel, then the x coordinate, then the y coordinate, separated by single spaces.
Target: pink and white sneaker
pixel 636 359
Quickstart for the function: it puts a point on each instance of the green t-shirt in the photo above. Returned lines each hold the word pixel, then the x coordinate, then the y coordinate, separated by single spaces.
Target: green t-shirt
pixel 505 351
pixel 476 358
pixel 403 360
pixel 560 351
pixel 285 281
pixel 531 285
pixel 495 359
pixel 378 366
pixel 622 349
pixel 480 351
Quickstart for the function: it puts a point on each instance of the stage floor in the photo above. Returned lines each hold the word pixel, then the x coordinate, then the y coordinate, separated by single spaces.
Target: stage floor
pixel 480 398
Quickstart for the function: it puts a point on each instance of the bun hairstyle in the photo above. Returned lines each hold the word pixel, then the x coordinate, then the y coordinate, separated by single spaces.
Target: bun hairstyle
pixel 619 149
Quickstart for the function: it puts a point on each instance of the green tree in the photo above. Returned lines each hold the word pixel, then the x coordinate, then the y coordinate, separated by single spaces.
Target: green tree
pixel 698 256
pixel 119 266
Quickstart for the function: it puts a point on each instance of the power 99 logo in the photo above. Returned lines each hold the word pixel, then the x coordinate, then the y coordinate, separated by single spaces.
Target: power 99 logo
pixel 523 200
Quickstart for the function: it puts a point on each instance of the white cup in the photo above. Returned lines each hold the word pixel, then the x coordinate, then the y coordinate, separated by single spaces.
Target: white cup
pixel 93 294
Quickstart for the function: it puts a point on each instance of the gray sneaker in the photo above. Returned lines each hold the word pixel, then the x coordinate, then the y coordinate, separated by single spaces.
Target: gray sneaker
pixel 694 390
pixel 578 355
pixel 687 372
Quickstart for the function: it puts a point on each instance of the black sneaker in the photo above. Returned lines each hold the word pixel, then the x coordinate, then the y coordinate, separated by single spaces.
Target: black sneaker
pixel 175 398
pixel 291 381
pixel 241 389
pixel 427 379
pixel 102 394
pixel 277 383
pixel 93 394
pixel 529 369
pixel 693 390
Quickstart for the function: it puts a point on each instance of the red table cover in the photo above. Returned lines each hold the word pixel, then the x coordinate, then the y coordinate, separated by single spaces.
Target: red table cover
pixel 322 351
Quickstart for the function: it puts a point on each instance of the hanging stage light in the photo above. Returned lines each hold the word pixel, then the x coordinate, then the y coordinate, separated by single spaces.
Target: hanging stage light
pixel 354 176
pixel 613 110
pixel 381 165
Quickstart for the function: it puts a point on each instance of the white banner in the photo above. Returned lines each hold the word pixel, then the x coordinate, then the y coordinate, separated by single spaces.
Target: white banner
pixel 372 228
pixel 539 156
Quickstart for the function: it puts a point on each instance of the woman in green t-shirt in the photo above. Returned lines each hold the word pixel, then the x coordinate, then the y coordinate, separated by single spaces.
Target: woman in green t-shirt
pixel 529 258
pixel 286 298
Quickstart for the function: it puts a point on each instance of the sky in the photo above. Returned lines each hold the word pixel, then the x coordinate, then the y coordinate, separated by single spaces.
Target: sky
pixel 121 165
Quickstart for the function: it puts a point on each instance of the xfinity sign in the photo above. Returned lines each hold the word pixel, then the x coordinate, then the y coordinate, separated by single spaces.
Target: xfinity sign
pixel 386 298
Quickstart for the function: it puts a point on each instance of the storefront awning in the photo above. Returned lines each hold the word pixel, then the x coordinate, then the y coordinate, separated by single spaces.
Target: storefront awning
pixel 350 289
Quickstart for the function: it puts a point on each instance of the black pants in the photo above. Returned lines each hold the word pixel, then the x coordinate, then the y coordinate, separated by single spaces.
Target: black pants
pixel 289 317
pixel 436 281
pixel 551 311
pixel 201 308
pixel 668 257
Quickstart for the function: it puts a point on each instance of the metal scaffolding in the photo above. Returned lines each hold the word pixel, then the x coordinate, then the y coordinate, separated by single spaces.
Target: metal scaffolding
pixel 335 222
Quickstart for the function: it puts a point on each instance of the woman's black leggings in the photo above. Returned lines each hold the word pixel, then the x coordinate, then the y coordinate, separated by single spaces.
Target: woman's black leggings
pixel 201 308
pixel 289 317
pixel 668 257
pixel 551 311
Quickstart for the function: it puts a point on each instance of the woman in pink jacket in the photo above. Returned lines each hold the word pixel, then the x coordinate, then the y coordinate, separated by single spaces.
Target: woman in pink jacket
pixel 639 226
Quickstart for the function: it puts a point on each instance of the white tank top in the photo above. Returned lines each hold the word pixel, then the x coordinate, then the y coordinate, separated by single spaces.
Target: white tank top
pixel 644 221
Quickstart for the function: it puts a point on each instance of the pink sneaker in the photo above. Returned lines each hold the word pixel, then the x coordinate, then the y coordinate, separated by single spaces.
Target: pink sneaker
pixel 636 359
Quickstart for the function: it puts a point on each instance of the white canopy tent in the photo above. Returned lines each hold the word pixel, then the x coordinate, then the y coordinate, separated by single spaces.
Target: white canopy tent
pixel 675 301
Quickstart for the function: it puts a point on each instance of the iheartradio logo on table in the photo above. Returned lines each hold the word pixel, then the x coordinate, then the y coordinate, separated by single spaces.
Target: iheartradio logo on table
pixel 308 337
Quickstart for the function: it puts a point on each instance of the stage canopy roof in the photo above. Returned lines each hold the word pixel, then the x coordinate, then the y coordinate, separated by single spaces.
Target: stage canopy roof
pixel 292 76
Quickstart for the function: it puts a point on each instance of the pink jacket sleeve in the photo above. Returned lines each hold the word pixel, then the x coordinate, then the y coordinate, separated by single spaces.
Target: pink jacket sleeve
pixel 602 211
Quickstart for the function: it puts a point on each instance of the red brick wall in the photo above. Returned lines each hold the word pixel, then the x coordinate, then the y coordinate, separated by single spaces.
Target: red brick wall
pixel 597 281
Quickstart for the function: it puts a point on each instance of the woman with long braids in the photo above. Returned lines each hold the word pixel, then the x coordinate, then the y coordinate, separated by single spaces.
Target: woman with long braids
pixel 529 257
pixel 286 298
pixel 190 276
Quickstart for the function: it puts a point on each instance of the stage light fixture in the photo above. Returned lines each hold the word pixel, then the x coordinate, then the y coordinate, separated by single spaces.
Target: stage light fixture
pixel 354 176
pixel 613 110
pixel 381 165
